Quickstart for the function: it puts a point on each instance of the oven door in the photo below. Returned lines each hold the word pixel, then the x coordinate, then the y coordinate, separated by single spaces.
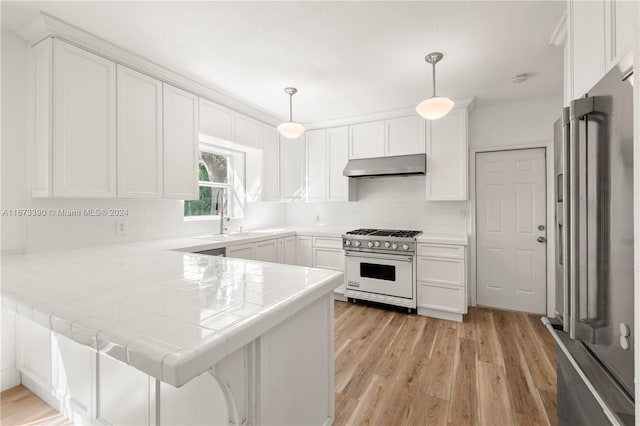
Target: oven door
pixel 385 274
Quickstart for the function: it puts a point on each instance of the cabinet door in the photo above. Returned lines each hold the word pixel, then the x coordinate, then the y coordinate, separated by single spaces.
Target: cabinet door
pixel 337 155
pixel 180 144
pixel 216 120
pixel 405 135
pixel 290 250
pixel 441 271
pixel 266 251
pixel 447 157
pixel 248 131
pixel 74 367
pixel 84 123
pixel 33 351
pixel 304 251
pixel 317 164
pixel 624 18
pixel 281 253
pixel 292 168
pixel 243 251
pixel 139 135
pixel 271 166
pixel 587 44
pixel 367 140
pixel 41 77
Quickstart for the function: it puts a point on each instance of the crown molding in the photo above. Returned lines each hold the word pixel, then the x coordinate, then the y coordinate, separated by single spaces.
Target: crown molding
pixel 559 36
pixel 44 25
pixel 383 115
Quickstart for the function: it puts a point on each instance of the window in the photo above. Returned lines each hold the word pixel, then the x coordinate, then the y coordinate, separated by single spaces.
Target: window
pixel 215 169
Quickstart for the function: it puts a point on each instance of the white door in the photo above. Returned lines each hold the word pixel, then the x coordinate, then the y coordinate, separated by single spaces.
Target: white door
pixel 510 218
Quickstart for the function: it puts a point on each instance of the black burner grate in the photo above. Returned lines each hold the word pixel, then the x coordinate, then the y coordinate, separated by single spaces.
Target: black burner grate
pixel 397 233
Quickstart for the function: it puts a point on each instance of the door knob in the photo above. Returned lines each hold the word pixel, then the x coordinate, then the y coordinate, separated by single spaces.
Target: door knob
pixel 542 239
pixel 541 227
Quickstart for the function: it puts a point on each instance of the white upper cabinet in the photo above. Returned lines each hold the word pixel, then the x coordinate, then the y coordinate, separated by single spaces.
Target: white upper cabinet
pixel 248 132
pixel 587 40
pixel 338 155
pixel 367 140
pixel 622 16
pixel 41 75
pixel 139 111
pixel 271 158
pixel 405 135
pixel 180 144
pixel 216 120
pixel 316 165
pixel 292 168
pixel 447 162
pixel 84 123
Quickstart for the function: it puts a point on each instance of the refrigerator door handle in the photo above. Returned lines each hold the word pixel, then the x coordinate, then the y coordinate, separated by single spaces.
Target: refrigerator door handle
pixel 566 219
pixel 611 415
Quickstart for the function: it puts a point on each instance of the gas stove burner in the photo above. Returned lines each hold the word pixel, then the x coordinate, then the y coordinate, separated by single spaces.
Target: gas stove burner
pixel 362 231
pixel 396 233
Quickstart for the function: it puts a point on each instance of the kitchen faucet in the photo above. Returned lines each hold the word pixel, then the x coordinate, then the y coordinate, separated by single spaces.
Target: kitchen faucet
pixel 220 201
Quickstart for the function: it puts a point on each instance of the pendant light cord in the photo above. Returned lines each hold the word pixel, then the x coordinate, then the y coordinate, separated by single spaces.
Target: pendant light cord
pixel 291 107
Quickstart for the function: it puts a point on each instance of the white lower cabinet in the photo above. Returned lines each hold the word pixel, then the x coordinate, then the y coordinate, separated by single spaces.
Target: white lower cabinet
pixel 441 281
pixel 328 253
pixel 242 251
pixel 266 251
pixel 73 367
pixel 289 250
pixel 304 251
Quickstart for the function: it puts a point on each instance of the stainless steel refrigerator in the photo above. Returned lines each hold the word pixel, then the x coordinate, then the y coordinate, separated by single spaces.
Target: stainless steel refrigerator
pixel 594 264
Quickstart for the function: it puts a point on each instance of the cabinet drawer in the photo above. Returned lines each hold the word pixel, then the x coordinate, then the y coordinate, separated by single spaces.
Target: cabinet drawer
pixel 436 250
pixel 327 242
pixel 442 297
pixel 328 258
pixel 442 271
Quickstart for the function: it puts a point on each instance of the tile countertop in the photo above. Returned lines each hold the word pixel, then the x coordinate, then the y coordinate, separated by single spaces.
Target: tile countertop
pixel 170 314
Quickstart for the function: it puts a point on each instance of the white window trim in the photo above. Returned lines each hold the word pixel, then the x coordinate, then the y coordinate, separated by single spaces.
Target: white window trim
pixel 231 184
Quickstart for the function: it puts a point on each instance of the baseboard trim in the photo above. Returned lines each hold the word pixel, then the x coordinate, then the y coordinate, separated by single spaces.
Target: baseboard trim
pixel 450 316
pixel 10 378
pixel 44 393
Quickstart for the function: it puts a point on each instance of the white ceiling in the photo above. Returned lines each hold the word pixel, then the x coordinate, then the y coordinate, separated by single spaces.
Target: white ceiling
pixel 346 58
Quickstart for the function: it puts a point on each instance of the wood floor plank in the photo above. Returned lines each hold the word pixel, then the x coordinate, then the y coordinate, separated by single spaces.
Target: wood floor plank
pixel 486 337
pixel 549 400
pixel 494 401
pixel 524 397
pixel 441 361
pixel 344 407
pixel 463 409
pixel 21 407
pixel 538 363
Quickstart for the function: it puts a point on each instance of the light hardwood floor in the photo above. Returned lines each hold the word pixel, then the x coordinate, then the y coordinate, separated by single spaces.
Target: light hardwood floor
pixel 496 368
pixel 21 407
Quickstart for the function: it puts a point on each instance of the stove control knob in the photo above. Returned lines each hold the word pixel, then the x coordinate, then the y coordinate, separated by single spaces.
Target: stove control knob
pixel 356 243
pixel 377 244
pixel 370 244
pixel 387 244
pixel 347 243
pixel 405 247
pixel 394 246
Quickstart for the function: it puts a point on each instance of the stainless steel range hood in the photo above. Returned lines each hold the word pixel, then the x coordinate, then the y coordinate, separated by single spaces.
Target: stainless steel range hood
pixel 401 165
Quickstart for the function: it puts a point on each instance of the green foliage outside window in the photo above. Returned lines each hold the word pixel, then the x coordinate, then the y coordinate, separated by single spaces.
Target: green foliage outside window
pixel 213 173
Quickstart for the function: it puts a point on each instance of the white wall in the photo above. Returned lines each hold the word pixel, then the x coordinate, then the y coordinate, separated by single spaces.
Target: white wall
pixel 514 123
pixel 391 202
pixel 148 219
pixel 13 142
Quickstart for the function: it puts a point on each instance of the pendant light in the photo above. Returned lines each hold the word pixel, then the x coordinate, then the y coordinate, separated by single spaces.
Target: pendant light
pixel 436 106
pixel 291 129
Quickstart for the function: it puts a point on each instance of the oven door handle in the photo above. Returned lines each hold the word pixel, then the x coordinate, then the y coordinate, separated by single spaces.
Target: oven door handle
pixel 394 257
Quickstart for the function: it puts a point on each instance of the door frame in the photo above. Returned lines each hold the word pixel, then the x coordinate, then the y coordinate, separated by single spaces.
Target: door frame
pixel 551 238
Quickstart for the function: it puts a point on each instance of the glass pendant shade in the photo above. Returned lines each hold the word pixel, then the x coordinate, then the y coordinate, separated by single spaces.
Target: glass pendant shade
pixel 435 107
pixel 291 129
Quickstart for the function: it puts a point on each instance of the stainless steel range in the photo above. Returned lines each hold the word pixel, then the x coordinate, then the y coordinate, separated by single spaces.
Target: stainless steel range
pixel 380 266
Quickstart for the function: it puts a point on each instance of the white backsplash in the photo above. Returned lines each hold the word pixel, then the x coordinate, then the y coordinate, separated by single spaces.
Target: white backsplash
pixel 390 202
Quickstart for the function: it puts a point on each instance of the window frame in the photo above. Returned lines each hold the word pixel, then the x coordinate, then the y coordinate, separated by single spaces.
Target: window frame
pixel 229 186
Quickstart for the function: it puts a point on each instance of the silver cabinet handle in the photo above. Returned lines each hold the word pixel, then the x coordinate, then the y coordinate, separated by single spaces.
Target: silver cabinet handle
pixel 542 239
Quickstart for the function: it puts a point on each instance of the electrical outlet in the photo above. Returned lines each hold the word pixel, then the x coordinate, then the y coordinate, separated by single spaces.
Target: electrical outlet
pixel 122 227
pixel 463 213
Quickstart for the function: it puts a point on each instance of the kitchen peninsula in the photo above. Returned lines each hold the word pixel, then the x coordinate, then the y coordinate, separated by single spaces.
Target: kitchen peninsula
pixel 169 337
